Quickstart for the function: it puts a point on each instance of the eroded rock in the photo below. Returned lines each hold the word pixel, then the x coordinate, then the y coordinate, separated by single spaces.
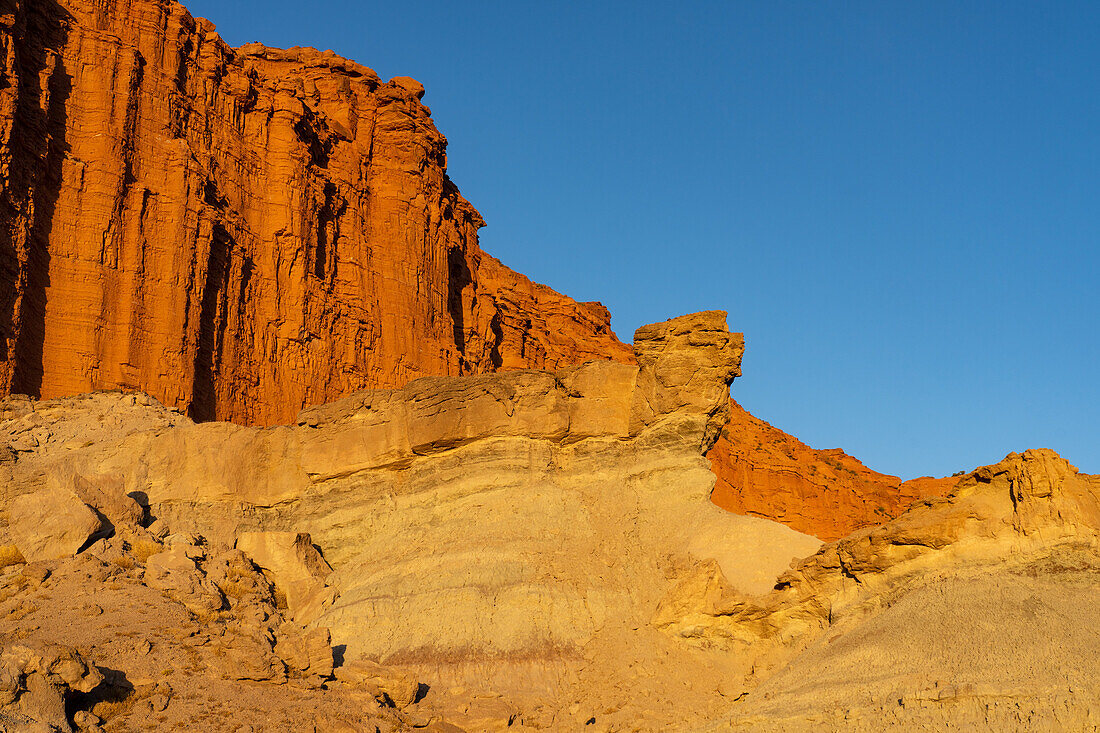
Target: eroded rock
pixel 295 566
pixel 175 572
pixel 1006 513
pixel 33 681
pixel 50 524
pixel 389 685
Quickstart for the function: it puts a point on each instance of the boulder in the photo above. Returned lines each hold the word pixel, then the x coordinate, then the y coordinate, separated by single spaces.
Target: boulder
pixel 388 685
pixel 106 493
pixel 245 654
pixel 174 571
pixel 51 524
pixel 306 653
pixel 685 367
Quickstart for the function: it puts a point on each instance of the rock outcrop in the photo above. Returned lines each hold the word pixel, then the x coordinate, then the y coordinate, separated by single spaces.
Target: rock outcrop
pixel 537 550
pixel 295 567
pixel 765 472
pixel 1026 504
pixel 486 532
pixel 33 681
pixel 960 612
pixel 50 524
pixel 238 232
pixel 142 656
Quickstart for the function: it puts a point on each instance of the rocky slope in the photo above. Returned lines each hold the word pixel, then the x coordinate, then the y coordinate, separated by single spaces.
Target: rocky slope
pixel 245 232
pixel 531 550
pixel 972 611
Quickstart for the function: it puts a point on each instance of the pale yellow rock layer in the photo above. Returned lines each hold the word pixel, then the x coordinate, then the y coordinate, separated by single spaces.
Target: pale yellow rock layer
pixel 544 541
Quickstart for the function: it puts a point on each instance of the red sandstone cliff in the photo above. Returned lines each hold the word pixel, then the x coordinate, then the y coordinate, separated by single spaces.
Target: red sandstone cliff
pixel 242 232
pixel 239 232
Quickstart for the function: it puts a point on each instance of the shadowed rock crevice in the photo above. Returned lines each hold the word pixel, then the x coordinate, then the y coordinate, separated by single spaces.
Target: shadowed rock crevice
pixel 212 323
pixel 37 147
pixel 328 233
pixel 459 278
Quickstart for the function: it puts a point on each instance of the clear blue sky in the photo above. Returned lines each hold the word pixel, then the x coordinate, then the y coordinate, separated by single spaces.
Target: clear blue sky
pixel 898 203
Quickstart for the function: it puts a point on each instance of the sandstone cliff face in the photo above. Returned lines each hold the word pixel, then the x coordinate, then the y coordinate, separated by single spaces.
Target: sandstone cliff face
pixel 239 232
pixel 764 472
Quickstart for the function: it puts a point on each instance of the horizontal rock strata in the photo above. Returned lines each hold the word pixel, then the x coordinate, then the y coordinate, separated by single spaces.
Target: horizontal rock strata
pixel 536 549
pixel 480 530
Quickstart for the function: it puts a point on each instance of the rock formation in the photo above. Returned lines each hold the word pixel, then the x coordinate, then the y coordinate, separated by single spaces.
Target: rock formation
pixel 968 611
pixel 245 232
pixel 33 681
pixel 238 232
pixel 534 550
pixel 257 235
pixel 487 532
pixel 764 472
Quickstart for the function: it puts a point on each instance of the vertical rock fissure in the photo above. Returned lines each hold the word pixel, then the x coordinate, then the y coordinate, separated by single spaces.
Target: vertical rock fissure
pixel 48 128
pixel 458 277
pixel 203 406
pixel 328 232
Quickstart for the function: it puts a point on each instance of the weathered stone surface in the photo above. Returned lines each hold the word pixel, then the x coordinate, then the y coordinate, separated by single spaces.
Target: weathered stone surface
pixel 239 232
pixel 175 572
pixel 161 666
pixel 50 524
pixel 294 564
pixel 1008 513
pixel 964 612
pixel 33 681
pixel 767 473
pixel 105 494
pixel 685 367
pixel 389 685
pixel 483 531
pixel 306 653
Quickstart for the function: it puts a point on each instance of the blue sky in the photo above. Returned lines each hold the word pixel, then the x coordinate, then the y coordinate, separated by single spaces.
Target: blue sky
pixel 896 202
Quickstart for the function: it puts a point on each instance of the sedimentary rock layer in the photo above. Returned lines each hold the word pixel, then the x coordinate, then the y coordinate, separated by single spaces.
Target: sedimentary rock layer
pixel 490 530
pixel 964 611
pixel 538 549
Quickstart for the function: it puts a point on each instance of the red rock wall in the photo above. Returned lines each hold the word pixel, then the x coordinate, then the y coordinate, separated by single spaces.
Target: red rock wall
pixel 239 232
pixel 245 232
pixel 827 493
